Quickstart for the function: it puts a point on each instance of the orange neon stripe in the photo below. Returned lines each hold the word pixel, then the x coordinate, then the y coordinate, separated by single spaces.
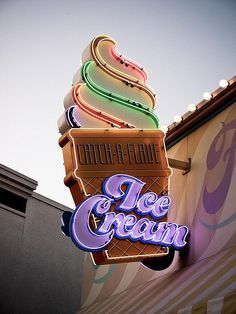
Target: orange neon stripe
pixel 83 105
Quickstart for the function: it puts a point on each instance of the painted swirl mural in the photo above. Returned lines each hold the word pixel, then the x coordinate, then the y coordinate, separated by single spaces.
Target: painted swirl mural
pixel 109 91
pixel 205 199
pixel 220 151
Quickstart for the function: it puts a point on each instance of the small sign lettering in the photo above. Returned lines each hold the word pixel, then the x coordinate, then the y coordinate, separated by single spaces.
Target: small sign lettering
pixel 118 153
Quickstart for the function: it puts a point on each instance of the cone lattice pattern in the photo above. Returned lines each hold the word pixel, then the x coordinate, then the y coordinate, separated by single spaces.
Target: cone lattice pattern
pixel 126 248
pixel 137 153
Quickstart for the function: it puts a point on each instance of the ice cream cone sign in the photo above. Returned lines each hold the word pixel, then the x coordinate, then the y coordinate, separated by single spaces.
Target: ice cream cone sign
pixel 115 162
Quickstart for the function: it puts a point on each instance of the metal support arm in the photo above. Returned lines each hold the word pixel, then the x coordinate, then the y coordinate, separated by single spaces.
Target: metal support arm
pixel 179 164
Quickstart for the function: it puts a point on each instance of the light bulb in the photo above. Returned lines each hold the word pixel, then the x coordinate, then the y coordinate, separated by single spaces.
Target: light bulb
pixel 223 83
pixel 207 96
pixel 164 128
pixel 177 118
pixel 192 107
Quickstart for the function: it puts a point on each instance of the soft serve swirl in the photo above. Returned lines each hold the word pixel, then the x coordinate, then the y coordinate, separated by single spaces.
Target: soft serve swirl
pixel 109 91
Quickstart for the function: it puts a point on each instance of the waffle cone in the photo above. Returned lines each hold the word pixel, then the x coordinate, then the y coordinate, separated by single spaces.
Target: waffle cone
pixel 90 156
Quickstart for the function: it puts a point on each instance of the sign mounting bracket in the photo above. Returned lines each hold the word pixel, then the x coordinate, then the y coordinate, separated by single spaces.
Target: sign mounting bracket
pixel 181 165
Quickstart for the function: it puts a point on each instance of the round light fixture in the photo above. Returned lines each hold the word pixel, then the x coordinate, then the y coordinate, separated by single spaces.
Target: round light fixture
pixel 223 83
pixel 164 128
pixel 207 96
pixel 192 107
pixel 177 118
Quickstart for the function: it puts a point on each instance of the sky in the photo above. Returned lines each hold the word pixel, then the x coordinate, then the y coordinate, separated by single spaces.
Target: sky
pixel 186 46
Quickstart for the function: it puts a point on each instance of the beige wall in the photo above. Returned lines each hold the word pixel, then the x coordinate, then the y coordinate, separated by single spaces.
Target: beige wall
pixel 205 198
pixel 209 233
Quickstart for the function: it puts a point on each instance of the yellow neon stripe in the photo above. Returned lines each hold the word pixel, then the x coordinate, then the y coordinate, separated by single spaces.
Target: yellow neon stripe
pixel 114 72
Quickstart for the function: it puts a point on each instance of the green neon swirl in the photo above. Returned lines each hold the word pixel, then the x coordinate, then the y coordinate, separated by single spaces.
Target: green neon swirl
pixel 113 96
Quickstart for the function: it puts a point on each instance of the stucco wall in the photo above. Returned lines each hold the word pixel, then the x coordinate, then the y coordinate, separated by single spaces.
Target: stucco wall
pixel 40 268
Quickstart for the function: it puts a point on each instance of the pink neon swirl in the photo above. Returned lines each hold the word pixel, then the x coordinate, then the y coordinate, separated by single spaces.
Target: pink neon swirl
pixel 95 112
pixel 130 63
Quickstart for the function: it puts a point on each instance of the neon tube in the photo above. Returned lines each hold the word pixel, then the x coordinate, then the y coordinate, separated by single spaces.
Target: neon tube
pixel 70 117
pixel 114 72
pixel 96 113
pixel 130 63
pixel 115 97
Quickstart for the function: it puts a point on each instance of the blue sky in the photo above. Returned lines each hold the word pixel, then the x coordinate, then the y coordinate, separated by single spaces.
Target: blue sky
pixel 185 46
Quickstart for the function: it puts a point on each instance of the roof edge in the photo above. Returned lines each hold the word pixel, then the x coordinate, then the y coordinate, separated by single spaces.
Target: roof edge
pixel 206 110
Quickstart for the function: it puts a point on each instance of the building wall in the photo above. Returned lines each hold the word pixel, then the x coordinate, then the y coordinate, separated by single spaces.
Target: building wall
pixel 212 149
pixel 205 198
pixel 40 268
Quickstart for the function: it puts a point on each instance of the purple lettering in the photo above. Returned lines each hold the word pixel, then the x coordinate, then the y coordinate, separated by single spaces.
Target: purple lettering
pixel 144 230
pixel 180 237
pixel 149 203
pixel 123 225
pixel 219 151
pixel 80 231
pixel 112 187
